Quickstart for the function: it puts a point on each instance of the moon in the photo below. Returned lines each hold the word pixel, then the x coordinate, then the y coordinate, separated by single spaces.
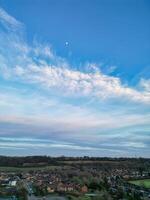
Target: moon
pixel 66 43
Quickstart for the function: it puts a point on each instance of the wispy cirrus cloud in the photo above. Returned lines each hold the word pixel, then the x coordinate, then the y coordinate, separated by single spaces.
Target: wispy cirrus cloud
pixel 76 83
pixel 38 64
pixel 145 84
pixel 8 21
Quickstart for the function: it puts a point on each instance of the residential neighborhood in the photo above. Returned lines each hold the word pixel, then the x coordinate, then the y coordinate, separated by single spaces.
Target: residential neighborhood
pixel 82 181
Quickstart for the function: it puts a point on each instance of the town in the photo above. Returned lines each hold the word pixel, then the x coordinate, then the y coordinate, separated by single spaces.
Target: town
pixel 76 178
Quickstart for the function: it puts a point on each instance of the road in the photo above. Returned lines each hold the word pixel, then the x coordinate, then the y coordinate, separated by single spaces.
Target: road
pixel 31 196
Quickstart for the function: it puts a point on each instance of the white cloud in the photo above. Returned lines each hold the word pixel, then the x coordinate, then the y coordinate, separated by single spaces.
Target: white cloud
pixel 134 144
pixel 72 82
pixel 46 145
pixel 38 64
pixel 145 84
pixel 9 21
pixel 33 113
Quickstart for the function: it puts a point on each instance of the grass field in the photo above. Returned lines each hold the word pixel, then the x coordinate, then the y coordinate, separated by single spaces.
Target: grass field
pixel 145 183
pixel 26 169
pixel 62 164
pixel 69 162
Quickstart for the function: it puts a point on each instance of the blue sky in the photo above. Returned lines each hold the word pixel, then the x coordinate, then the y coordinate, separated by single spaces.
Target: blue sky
pixel 75 78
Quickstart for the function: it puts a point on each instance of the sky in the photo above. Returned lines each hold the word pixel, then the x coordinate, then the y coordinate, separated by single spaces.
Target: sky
pixel 75 78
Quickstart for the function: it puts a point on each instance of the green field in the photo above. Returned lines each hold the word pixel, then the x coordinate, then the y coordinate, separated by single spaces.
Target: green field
pixel 144 183
pixel 26 169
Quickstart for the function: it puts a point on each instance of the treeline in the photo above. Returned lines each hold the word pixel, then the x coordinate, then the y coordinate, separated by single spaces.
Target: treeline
pixel 28 161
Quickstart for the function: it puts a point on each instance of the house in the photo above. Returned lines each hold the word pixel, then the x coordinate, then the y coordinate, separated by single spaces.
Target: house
pixel 61 187
pixel 84 189
pixel 13 183
pixel 50 189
